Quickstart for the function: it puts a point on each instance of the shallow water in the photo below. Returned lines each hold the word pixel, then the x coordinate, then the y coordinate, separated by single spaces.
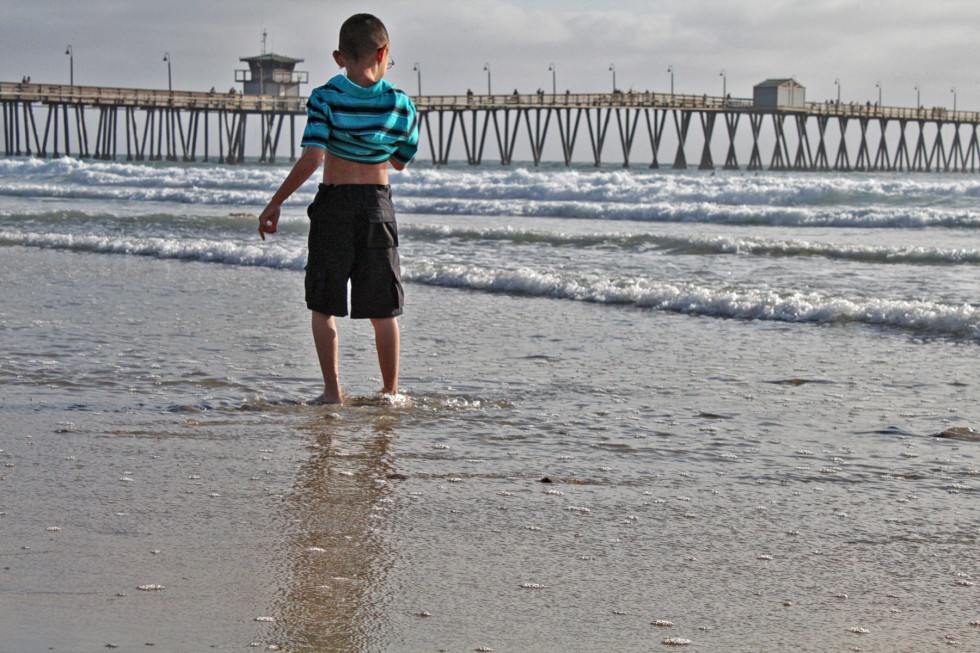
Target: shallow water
pixel 559 475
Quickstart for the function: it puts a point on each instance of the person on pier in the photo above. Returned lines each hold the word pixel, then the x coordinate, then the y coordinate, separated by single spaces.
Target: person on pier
pixel 357 125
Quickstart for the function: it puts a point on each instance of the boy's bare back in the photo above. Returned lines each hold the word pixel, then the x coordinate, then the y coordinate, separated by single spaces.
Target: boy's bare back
pixel 341 171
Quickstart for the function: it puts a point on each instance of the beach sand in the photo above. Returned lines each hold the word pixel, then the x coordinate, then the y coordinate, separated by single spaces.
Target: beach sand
pixel 559 476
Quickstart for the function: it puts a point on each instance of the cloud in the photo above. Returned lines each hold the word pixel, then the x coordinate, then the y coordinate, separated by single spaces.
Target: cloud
pixel 901 42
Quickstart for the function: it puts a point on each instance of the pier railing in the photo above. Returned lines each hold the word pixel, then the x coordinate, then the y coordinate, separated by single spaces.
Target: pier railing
pixel 97 96
pixel 166 124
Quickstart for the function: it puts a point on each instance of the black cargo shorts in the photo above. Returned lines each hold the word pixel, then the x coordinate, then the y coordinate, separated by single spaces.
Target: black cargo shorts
pixel 353 236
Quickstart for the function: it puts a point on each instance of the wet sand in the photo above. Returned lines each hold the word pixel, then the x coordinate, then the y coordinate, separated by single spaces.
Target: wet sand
pixel 562 476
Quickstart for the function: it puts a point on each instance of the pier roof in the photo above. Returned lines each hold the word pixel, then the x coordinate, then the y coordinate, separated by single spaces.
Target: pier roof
pixel 275 58
pixel 771 83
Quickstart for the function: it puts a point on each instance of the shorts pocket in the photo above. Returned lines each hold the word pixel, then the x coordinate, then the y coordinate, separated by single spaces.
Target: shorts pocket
pixel 382 231
pixel 313 287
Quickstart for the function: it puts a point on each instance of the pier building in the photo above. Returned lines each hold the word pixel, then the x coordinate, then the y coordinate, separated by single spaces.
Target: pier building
pixel 779 94
pixel 271 74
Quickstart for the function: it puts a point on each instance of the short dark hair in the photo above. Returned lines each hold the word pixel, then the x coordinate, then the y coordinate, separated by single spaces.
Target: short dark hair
pixel 362 35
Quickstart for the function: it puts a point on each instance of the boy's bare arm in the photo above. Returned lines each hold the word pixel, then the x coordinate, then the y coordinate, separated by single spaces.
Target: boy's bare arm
pixel 305 166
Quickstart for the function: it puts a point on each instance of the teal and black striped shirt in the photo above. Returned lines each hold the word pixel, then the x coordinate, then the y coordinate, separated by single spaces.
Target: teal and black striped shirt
pixel 366 125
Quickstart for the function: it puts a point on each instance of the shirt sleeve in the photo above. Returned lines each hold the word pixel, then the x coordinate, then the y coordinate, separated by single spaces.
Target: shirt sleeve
pixel 317 129
pixel 406 149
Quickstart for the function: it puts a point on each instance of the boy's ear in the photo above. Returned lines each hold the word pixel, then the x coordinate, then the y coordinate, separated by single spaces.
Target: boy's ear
pixel 339 58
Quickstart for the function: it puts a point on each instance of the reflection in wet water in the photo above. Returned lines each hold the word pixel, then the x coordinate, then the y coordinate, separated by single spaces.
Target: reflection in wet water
pixel 332 598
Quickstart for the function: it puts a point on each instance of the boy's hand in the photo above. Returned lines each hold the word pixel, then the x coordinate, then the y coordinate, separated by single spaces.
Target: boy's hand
pixel 268 220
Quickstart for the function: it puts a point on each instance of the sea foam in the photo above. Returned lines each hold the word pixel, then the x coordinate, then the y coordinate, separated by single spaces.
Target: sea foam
pixel 785 199
pixel 141 210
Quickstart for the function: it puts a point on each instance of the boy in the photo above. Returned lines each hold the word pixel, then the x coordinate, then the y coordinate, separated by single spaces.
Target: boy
pixel 356 126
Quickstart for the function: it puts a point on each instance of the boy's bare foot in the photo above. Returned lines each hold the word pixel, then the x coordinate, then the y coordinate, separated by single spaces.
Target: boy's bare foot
pixel 323 400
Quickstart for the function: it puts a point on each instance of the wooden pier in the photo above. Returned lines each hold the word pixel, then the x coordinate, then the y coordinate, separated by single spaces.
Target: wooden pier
pixel 44 120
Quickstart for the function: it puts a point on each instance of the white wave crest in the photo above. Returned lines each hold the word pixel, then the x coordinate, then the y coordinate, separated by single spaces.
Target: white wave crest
pixel 272 255
pixel 738 302
pixel 730 302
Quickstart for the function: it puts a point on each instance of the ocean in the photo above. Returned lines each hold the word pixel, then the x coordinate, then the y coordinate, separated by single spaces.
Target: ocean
pixel 640 409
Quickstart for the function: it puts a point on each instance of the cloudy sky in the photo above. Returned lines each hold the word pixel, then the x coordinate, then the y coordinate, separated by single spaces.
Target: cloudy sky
pixel 899 43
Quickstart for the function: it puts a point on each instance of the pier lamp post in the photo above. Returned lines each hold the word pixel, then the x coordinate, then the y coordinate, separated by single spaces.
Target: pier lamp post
pixel 486 67
pixel 170 85
pixel 71 65
pixel 724 85
pixel 953 91
pixel 554 85
pixel 837 84
pixel 417 68
pixel 918 97
pixel 878 86
pixel 670 69
pixel 612 67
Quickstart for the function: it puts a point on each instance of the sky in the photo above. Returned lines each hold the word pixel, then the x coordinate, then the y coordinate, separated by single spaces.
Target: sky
pixel 908 50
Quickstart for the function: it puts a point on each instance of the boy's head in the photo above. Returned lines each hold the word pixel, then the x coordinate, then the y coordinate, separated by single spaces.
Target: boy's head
pixel 361 36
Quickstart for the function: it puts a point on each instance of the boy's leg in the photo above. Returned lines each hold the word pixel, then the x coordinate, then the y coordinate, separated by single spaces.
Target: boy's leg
pixel 387 339
pixel 325 338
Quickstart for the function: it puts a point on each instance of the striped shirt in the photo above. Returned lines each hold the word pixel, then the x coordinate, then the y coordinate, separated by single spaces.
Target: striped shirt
pixel 366 125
